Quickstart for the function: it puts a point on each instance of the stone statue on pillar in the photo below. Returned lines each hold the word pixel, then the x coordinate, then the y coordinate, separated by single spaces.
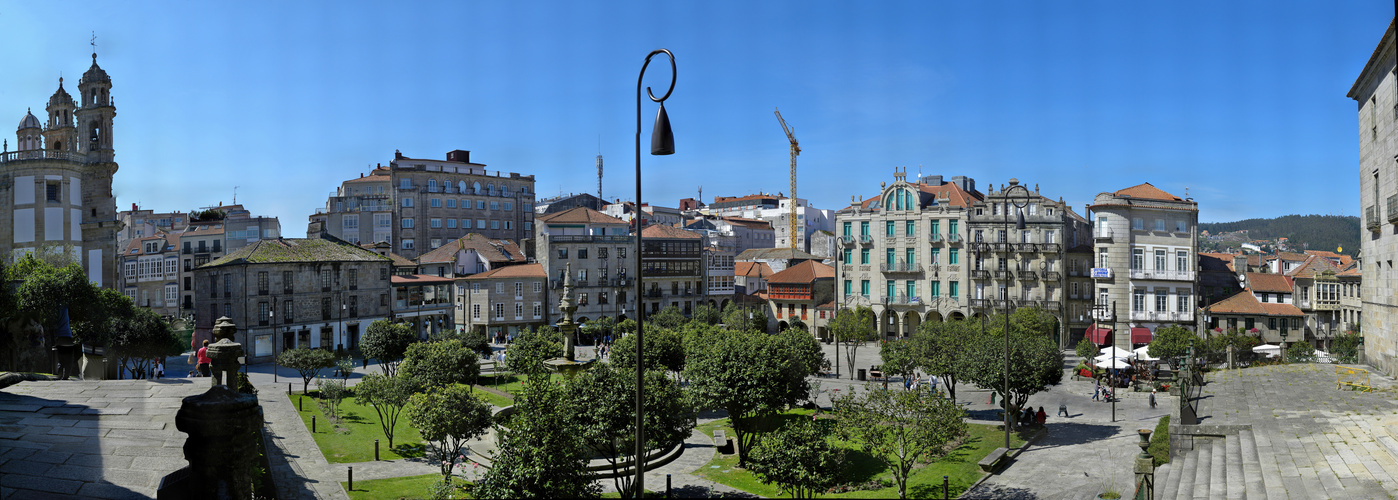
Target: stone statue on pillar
pixel 225 353
pixel 566 325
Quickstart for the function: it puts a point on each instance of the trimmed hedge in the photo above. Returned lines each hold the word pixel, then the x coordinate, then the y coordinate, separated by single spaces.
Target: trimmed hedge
pixel 1159 448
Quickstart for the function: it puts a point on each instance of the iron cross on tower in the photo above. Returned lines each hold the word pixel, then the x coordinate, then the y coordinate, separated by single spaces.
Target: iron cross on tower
pixel 93 42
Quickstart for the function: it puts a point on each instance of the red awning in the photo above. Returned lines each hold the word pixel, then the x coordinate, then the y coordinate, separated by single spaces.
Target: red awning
pixel 1140 335
pixel 1099 335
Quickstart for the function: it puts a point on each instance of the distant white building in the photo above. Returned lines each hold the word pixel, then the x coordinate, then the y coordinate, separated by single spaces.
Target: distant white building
pixel 776 209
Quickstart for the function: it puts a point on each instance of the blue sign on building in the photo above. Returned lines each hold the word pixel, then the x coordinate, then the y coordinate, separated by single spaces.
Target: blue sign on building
pixel 1101 272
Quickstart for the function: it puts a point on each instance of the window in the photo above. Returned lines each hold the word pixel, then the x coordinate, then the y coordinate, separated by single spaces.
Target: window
pixel 451 203
pixel 864 288
pixel 509 206
pixel 435 202
pixel 910 256
pixel 538 286
pixel 936 256
pixel 405 184
pixel 51 191
pixel 1159 224
pixel 538 310
pixel 407 243
pixel 407 223
pixel 889 289
pixel 509 224
pixel 955 289
pixel 911 287
pixel 480 223
pixel 437 242
pixel 864 256
pixel 1161 305
pixel 888 228
pixel 888 257
pixel 480 204
pixel 407 203
pixel 519 289
pixel 1138 259
pixel 1138 223
pixel 1182 301
pixel 475 311
pixel 434 222
pixel 1249 324
pixel 495 224
pixel 951 227
pixel 910 228
pixel 848 256
pixel 863 228
pixel 935 289
pixel 499 311
pixel 563 253
pixel 494 205
pixel 953 256
pixel 849 287
pixel 1138 300
pixel 465 223
pixel 1102 257
pixel 847 228
pixel 1179 226
pixel 262 283
pixel 1160 259
pixel 582 253
pixel 451 223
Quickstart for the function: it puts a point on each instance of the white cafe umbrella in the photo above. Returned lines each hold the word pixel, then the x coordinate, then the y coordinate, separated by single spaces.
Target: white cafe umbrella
pixel 1143 354
pixel 1116 363
pixel 1269 350
pixel 1115 352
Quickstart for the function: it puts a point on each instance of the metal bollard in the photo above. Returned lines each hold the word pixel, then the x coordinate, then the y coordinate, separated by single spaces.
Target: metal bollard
pixel 299 400
pixel 351 478
pixel 946 488
pixel 667 487
pixel 313 424
pixel 376 450
pixel 288 389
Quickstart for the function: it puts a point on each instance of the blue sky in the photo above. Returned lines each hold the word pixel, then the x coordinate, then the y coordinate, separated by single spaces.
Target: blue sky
pixel 1242 103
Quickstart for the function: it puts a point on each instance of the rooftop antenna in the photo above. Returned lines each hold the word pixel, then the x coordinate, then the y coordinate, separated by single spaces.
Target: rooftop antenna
pixel 93 42
pixel 235 195
pixel 599 167
pixel 701 195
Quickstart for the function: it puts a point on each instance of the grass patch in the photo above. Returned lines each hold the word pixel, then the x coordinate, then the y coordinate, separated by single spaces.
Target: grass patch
pixel 512 383
pixel 861 468
pixel 494 399
pixel 1159 448
pixel 352 439
pixel 396 488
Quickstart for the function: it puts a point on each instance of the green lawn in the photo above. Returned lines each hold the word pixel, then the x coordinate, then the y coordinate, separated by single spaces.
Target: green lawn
pixel 399 487
pixel 495 399
pixel 511 383
pixel 352 440
pixel 926 482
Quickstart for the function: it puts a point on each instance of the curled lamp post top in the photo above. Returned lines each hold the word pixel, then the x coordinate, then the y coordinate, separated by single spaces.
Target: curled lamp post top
pixel 672 75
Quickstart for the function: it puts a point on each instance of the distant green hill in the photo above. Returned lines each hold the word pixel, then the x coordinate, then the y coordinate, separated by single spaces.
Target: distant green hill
pixel 1308 232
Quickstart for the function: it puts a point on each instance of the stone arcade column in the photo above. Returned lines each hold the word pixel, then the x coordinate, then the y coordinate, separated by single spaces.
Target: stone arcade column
pixel 223 427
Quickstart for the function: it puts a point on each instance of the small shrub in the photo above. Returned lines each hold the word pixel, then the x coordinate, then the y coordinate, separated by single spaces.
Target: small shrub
pixel 244 385
pixel 332 392
pixel 1159 448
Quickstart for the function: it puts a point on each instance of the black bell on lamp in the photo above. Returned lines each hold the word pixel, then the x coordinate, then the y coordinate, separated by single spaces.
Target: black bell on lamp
pixel 662 139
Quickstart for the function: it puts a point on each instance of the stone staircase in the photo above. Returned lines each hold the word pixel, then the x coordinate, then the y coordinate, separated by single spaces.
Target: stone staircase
pixel 1223 467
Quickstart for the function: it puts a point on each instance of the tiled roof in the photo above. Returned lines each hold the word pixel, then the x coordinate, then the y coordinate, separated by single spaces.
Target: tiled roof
pixel 377 175
pixel 1147 191
pixel 752 269
pixel 204 231
pixel 828 306
pixel 297 250
pixel 805 272
pixel 400 261
pixel 1269 283
pixel 534 270
pixel 1246 303
pixel 1291 256
pixel 722 199
pixel 949 191
pixel 1350 269
pixel 1313 265
pixel 749 223
pixel 492 250
pixel 419 279
pixel 666 231
pixel 1215 262
pixel 774 253
pixel 579 215
pixel 136 246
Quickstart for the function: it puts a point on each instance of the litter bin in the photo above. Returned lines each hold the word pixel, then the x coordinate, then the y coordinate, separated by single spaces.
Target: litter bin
pixel 861 374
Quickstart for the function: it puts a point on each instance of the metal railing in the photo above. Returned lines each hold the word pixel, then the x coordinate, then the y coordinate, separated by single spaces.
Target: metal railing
pixel 980 274
pixel 900 267
pixel 1102 233
pixel 1157 274
pixel 1371 218
pixel 1393 208
pixel 1004 275
pixel 953 238
pixel 1052 275
pixel 588 238
pixel 1028 275
pixel 866 239
pixel 934 237
pixel 42 154
pixel 847 240
pixel 1048 247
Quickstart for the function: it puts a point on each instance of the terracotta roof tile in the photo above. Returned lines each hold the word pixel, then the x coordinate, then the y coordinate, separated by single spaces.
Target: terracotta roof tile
pixel 774 254
pixel 579 215
pixel 1269 283
pixel 1313 266
pixel 1246 303
pixel 805 272
pixel 750 223
pixel 492 250
pixel 296 250
pixel 666 231
pixel 752 269
pixel 534 270
pixel 419 279
pixel 1147 191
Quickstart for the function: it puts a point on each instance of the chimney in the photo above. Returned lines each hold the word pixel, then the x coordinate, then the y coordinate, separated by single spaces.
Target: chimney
pixel 934 180
pixel 459 155
pixel 133 207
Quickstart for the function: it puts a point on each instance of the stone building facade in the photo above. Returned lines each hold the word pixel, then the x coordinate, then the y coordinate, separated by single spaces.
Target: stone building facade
pixel 419 204
pixel 1376 93
pixel 151 274
pixel 1146 264
pixel 294 293
pixel 673 274
pixel 502 301
pixel 56 187
pixel 599 251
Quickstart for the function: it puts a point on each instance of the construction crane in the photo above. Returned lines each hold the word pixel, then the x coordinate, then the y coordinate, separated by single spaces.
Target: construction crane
pixel 795 150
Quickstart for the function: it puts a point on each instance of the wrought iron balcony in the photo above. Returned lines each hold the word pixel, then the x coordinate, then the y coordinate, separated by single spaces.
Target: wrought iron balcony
pixel 847 240
pixel 1049 247
pixel 865 239
pixel 953 238
pixel 1028 275
pixel 1371 218
pixel 980 274
pixel 1052 275
pixel 1393 208
pixel 900 267
pixel 934 238
pixel 1004 275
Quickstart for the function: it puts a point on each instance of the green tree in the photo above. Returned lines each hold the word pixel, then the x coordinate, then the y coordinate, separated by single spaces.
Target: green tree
pixel 1086 349
pixel 1033 320
pixel 344 367
pixel 852 329
pixel 752 377
pixel 900 428
pixel 44 288
pixel 738 318
pixel 942 350
pixel 387 342
pixel 449 416
pixel 1346 347
pixel 531 348
pixel 476 342
pixel 1300 352
pixel 541 449
pixel 664 350
pixel 706 314
pixel 332 393
pixel 598 328
pixel 440 363
pixel 609 423
pixel 900 357
pixel 140 338
pixel 799 457
pixel 797 324
pixel 388 396
pixel 1035 363
pixel 307 362
pixel 1173 341
pixel 669 317
pixel 1219 343
pixel 625 327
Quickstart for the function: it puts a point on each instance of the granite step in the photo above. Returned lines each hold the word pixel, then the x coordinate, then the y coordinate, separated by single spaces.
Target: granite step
pixel 1233 459
pixel 1183 489
pixel 1254 487
pixel 1162 477
pixel 1218 470
pixel 1202 469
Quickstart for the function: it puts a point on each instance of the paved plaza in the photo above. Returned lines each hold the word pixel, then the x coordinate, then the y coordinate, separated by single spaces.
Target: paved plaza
pixel 116 439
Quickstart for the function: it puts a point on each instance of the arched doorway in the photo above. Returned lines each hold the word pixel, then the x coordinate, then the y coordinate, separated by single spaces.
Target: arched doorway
pixel 934 316
pixel 911 320
pixel 956 316
pixel 723 305
pixel 783 326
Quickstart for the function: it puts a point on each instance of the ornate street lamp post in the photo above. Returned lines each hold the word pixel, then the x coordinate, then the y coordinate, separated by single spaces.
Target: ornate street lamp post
pixel 662 142
pixel 1019 224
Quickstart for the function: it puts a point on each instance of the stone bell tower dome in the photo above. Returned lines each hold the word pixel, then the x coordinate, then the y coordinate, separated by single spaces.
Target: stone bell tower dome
pixel 30 134
pixel 61 135
pixel 95 114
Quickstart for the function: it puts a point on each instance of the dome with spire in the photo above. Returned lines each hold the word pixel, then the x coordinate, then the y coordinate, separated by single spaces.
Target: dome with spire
pixel 29 121
pixel 60 97
pixel 95 73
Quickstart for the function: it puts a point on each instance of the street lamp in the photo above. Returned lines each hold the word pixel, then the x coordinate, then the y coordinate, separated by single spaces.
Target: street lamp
pixel 662 142
pixel 1019 224
pixel 272 322
pixel 1283 344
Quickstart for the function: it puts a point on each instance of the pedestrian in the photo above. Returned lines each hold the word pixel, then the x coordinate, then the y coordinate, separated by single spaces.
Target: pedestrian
pixel 1040 417
pixel 1096 392
pixel 907 383
pixel 160 369
pixel 204 361
pixel 1152 399
pixel 932 385
pixel 1063 408
pixel 992 398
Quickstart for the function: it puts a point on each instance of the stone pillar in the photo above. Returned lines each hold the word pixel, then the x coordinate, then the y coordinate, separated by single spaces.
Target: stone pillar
pixel 223 428
pixel 1145 467
pixel 225 353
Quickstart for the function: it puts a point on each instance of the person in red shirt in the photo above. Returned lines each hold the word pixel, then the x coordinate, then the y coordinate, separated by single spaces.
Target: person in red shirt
pixel 1041 417
pixel 204 361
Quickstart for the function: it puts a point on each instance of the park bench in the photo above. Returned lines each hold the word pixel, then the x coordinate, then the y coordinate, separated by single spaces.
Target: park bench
pixel 994 460
pixel 875 372
pixel 721 442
